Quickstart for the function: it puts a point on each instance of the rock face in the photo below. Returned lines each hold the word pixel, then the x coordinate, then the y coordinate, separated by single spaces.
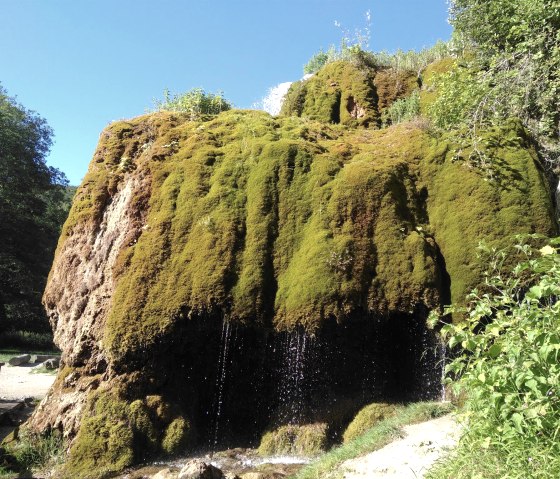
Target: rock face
pixel 218 278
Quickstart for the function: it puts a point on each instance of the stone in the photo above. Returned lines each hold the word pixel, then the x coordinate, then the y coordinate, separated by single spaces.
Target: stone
pixel 41 358
pixel 165 474
pixel 52 363
pixel 20 360
pixel 197 469
pixel 253 475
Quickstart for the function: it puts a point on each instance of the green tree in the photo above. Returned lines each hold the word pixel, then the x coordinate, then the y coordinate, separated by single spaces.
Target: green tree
pixel 512 69
pixel 33 205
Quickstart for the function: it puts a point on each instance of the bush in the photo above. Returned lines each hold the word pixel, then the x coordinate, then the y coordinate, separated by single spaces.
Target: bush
pixel 195 102
pixel 509 360
pixel 27 340
pixel 404 109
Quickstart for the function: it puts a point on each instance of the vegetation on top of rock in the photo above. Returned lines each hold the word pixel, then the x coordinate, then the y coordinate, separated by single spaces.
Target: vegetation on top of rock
pixel 196 103
pixel 34 202
pixel 511 70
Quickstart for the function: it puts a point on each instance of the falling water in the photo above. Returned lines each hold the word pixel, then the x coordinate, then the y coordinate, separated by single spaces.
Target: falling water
pixel 294 376
pixel 443 363
pixel 221 379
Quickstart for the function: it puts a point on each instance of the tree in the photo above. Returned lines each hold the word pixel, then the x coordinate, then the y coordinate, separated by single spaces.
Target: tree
pixel 33 205
pixel 512 69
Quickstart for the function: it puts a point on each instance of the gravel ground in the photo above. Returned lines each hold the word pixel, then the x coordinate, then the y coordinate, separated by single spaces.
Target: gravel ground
pixel 410 457
pixel 17 382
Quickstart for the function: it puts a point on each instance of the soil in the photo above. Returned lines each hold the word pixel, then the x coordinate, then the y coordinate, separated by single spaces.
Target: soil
pixel 20 391
pixel 17 382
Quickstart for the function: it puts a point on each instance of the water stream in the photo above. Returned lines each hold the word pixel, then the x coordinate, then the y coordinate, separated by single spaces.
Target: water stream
pixel 221 377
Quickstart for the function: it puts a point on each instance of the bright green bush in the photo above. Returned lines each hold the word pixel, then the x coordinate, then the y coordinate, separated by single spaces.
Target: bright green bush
pixel 510 359
pixel 404 109
pixel 195 102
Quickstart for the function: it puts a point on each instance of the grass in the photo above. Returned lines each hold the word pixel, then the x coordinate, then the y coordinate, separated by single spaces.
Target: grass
pixel 375 438
pixel 31 452
pixel 523 459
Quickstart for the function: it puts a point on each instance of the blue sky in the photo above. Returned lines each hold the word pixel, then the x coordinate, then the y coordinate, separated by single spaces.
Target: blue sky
pixel 84 63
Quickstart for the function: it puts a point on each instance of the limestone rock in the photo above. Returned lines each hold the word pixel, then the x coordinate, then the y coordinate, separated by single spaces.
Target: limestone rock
pixel 292 244
pixel 52 363
pixel 20 360
pixel 165 474
pixel 197 469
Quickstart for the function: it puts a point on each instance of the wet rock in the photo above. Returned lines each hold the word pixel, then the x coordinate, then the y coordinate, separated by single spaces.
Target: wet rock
pixel 20 360
pixel 52 363
pixel 197 469
pixel 165 474
pixel 253 475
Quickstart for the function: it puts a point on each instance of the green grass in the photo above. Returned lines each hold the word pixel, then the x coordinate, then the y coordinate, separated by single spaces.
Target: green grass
pixel 375 438
pixel 521 460
pixel 31 452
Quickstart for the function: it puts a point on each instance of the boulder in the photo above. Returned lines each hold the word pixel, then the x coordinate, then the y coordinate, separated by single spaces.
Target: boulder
pixel 41 358
pixel 20 360
pixel 197 469
pixel 52 363
pixel 165 474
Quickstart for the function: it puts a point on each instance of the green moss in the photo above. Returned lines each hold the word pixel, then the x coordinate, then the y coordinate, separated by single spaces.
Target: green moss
pixel 340 92
pixel 176 436
pixel 288 221
pixel 347 93
pixel 303 440
pixel 466 207
pixel 367 418
pixel 105 442
pixel 116 433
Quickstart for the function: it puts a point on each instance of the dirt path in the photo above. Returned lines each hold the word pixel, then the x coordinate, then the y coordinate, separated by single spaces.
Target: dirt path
pixel 17 382
pixel 410 457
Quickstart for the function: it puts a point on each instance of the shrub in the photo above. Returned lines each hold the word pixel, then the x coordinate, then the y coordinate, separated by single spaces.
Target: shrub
pixel 509 359
pixel 195 102
pixel 317 61
pixel 404 109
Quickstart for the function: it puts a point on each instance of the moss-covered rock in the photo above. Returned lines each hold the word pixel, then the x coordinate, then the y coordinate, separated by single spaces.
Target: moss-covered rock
pixel 299 440
pixel 368 417
pixel 280 224
pixel 348 93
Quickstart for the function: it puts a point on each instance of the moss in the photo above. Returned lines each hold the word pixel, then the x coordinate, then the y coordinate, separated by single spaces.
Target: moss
pixel 348 93
pixel 176 437
pixel 301 440
pixel 105 441
pixel 367 418
pixel 428 93
pixel 465 206
pixel 116 432
pixel 287 221
pixel 341 92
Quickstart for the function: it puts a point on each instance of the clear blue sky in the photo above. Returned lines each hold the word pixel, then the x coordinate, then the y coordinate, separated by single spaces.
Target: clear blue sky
pixel 84 63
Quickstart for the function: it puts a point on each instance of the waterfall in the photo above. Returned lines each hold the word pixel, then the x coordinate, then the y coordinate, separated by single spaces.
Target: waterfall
pixel 221 377
pixel 443 363
pixel 294 376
